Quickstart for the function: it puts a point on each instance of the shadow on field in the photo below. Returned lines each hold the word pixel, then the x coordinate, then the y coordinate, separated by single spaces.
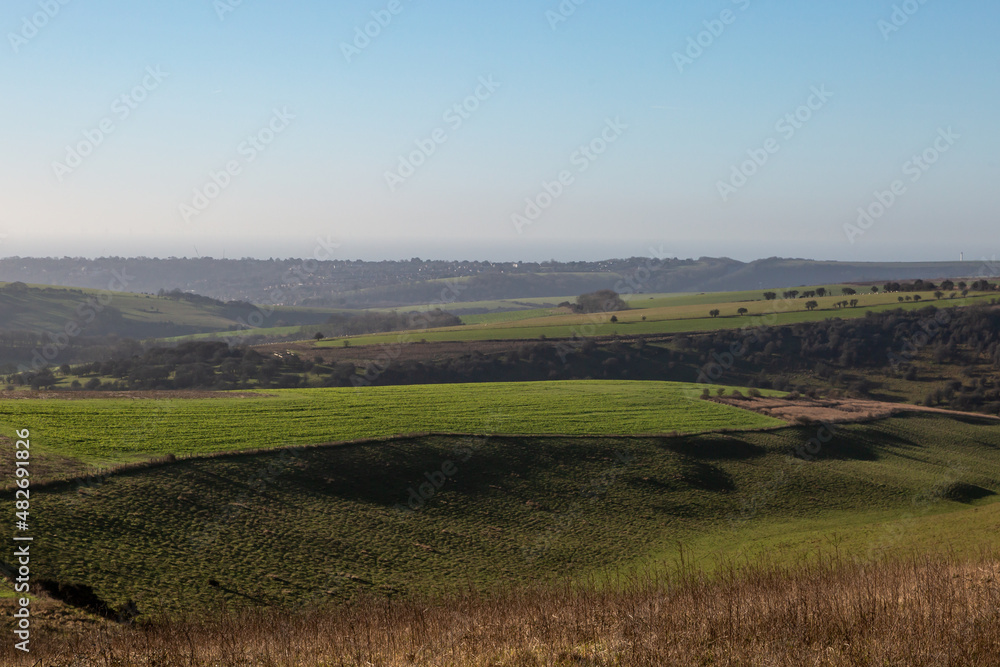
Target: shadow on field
pixel 385 474
pixel 962 492
pixel 713 447
pixel 707 477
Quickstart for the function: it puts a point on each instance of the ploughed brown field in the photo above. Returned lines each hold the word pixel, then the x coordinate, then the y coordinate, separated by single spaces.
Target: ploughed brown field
pixel 835 410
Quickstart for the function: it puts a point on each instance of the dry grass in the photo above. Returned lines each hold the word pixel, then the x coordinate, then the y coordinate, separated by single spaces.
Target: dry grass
pixel 917 612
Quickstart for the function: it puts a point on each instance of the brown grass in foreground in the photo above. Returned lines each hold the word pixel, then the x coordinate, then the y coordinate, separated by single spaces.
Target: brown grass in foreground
pixel 918 612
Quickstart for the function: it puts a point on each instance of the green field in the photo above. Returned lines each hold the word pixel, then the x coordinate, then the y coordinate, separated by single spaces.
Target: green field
pixel 659 320
pixel 327 524
pixel 106 431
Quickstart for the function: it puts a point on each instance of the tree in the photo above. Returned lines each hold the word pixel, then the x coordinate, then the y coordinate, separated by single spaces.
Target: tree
pixel 770 296
pixel 811 305
pixel 601 301
pixel 614 318
pixel 848 291
pixel 854 303
pixel 319 335
pixel 916 297
pixel 742 311
pixel 714 312
pixel 820 291
pixel 900 299
pixel 874 289
pixel 938 294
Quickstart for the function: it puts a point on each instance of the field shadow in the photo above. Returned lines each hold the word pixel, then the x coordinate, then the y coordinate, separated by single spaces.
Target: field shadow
pixel 963 492
pixel 707 477
pixel 713 447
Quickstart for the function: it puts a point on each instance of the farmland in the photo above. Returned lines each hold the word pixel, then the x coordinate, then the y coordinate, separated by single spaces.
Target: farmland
pixel 662 318
pixel 108 431
pixel 436 514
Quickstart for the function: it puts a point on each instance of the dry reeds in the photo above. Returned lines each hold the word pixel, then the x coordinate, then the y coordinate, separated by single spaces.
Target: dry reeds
pixel 916 612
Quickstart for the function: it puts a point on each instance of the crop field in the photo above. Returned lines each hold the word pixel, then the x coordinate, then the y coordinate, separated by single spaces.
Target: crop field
pixel 443 513
pixel 659 320
pixel 508 316
pixel 105 431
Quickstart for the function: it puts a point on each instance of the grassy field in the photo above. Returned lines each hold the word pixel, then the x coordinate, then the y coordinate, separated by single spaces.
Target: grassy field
pixel 439 514
pixel 108 431
pixel 659 320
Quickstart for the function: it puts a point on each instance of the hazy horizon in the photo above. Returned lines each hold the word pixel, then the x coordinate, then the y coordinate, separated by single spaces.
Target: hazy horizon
pixel 457 251
pixel 742 128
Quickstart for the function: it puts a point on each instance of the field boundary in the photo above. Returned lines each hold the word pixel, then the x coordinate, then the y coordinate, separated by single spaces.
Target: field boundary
pixel 896 411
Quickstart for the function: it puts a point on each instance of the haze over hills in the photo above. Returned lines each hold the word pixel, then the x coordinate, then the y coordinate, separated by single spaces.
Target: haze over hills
pixel 357 283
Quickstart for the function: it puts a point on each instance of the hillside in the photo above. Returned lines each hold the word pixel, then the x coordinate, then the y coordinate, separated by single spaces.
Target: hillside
pixel 439 514
pixel 358 284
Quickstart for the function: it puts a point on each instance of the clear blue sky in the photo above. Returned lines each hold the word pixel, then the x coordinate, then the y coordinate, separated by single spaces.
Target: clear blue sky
pixel 656 185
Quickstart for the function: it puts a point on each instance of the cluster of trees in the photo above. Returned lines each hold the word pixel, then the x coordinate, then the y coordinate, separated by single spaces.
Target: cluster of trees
pixel 601 301
pixel 898 343
pixel 915 286
pixel 981 285
pixel 195 365
pixel 809 294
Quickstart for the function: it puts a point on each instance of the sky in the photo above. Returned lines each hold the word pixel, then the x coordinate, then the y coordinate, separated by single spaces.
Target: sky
pixel 580 129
